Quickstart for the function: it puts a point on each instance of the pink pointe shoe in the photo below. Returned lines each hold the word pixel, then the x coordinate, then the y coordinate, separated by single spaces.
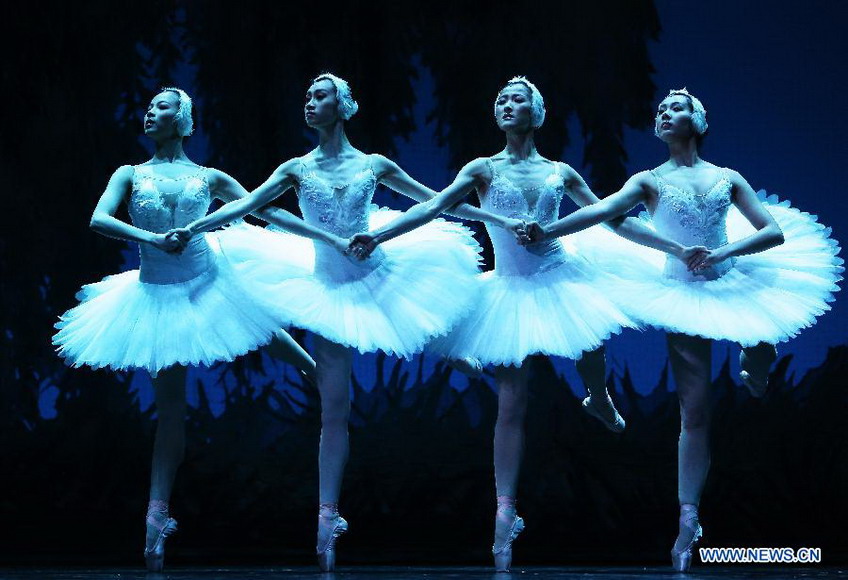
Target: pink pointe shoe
pixel 681 555
pixel 164 526
pixel 508 525
pixel 330 526
pixel 591 407
pixel 469 366
pixel 756 389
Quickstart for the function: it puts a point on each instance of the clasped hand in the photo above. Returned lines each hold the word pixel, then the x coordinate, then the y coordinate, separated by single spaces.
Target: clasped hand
pixel 361 246
pixel 700 257
pixel 525 233
pixel 173 241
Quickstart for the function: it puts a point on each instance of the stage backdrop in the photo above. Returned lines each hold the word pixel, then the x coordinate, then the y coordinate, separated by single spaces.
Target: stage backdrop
pixel 76 444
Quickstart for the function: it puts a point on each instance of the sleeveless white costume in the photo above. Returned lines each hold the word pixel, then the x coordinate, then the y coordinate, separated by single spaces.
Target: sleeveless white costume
pixel 763 297
pixel 410 290
pixel 539 299
pixel 189 308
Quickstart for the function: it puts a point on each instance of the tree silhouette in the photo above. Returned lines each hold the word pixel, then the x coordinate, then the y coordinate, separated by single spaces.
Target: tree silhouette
pixel 587 58
pixel 252 83
pixel 78 76
pixel 83 76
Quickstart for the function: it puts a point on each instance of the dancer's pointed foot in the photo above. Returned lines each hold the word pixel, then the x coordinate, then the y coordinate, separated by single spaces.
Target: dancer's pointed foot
pixel 309 377
pixel 508 525
pixel 159 527
pixel 757 388
pixel 330 526
pixel 688 536
pixel 469 366
pixel 603 409
pixel 756 362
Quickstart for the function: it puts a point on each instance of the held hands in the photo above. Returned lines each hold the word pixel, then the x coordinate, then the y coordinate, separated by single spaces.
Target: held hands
pixel 535 233
pixel 169 242
pixel 700 257
pixel 517 228
pixel 182 234
pixel 361 245
pixel 340 244
pixel 705 258
pixel 525 233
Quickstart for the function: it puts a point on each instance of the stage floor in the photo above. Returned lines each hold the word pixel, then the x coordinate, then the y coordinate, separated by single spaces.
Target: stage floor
pixel 436 573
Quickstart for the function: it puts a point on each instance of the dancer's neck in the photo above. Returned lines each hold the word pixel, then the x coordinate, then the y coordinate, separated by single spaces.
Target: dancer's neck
pixel 684 153
pixel 520 146
pixel 332 140
pixel 170 151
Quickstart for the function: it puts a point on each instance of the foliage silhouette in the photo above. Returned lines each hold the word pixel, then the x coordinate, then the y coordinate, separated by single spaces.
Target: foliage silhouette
pixel 587 58
pixel 83 77
pixel 419 486
pixel 78 74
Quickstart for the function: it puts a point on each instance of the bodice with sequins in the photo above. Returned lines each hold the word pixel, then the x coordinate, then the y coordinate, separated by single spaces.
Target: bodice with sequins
pixel 504 197
pixel 693 220
pixel 342 209
pixel 158 204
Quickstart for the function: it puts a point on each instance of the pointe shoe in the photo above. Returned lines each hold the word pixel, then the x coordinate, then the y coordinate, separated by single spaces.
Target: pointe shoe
pixel 503 554
pixel 329 529
pixel 617 424
pixel 757 390
pixel 681 560
pixel 308 378
pixel 469 366
pixel 154 555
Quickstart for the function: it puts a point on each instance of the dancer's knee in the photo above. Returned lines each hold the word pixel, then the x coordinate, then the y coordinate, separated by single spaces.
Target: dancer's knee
pixel 512 408
pixel 335 409
pixel 694 417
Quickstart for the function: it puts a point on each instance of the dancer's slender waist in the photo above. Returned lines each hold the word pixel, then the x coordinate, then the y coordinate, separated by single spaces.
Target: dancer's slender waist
pixel 158 267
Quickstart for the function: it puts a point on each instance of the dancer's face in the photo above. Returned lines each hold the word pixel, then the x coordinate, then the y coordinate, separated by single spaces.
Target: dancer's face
pixel 322 106
pixel 674 119
pixel 513 111
pixel 159 119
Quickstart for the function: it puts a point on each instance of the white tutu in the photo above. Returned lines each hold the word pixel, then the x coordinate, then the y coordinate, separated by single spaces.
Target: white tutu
pixel 413 288
pixel 196 311
pixel 764 297
pixel 538 299
pixel 562 311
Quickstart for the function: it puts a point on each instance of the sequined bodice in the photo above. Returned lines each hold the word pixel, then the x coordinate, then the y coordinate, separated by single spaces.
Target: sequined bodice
pixel 343 208
pixel 506 198
pixel 693 219
pixel 158 204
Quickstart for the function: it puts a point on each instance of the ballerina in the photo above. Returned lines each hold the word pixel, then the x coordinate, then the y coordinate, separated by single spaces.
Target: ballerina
pixel 538 300
pixel 765 271
pixel 396 301
pixel 186 305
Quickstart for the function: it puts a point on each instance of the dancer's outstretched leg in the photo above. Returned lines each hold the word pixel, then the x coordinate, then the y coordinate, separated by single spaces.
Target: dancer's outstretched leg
pixel 690 359
pixel 283 347
pixel 509 451
pixel 592 369
pixel 333 368
pixel 756 362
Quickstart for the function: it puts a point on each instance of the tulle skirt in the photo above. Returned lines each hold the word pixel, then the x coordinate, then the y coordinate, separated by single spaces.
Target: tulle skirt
pixel 124 323
pixel 768 297
pixel 414 287
pixel 562 311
